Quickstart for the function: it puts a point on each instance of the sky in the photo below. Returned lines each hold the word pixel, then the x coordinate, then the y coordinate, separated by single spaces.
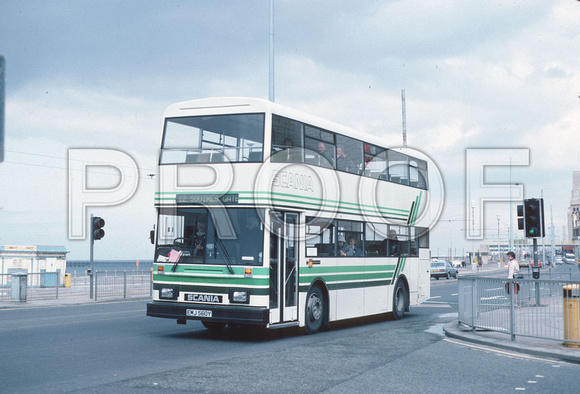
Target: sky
pixel 495 75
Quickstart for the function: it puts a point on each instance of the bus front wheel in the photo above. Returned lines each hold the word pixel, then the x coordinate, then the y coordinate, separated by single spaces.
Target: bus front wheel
pixel 213 326
pixel 314 310
pixel 399 300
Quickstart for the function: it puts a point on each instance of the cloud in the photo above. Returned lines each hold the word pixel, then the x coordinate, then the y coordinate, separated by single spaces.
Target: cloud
pixel 34 184
pixel 494 74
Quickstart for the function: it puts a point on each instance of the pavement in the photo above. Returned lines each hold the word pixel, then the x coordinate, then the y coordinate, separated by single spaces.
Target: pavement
pixel 533 346
pixel 527 345
pixel 66 300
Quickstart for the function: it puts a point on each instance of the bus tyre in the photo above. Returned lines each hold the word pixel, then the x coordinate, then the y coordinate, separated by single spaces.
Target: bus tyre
pixel 399 300
pixel 213 326
pixel 314 310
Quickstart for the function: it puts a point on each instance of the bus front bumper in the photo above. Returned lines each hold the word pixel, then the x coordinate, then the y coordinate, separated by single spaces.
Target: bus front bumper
pixel 206 312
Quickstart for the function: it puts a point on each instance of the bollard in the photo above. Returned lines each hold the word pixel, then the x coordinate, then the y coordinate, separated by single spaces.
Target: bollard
pixel 67 280
pixel 571 315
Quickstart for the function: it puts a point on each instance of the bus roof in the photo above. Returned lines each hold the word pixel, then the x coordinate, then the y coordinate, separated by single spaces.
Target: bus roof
pixel 228 105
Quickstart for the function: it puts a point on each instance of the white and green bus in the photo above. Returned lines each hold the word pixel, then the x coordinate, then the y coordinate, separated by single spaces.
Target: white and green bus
pixel 269 216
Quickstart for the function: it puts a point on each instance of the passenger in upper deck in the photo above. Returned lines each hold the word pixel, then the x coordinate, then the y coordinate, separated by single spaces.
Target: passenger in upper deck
pixel 325 155
pixel 343 163
pixel 287 154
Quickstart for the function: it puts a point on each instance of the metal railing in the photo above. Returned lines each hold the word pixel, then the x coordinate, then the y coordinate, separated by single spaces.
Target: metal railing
pixel 121 284
pixel 547 309
pixel 39 285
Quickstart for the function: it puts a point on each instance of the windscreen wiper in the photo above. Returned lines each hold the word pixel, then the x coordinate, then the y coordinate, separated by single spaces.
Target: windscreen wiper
pixel 226 255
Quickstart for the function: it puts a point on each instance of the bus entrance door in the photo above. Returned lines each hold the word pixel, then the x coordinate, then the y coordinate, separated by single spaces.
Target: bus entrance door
pixel 283 267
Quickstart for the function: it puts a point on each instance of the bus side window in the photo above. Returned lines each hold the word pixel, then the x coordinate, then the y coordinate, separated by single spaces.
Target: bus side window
pixel 287 140
pixel 349 154
pixel 325 249
pixel 375 243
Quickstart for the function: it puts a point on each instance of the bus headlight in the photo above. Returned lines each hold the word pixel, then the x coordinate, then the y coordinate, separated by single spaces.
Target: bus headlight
pixel 240 296
pixel 168 293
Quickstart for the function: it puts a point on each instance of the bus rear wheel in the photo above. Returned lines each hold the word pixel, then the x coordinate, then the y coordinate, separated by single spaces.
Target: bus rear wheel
pixel 314 312
pixel 399 300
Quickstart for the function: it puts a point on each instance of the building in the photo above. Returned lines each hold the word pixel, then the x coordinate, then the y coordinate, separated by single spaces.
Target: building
pixel 33 260
pixel 523 248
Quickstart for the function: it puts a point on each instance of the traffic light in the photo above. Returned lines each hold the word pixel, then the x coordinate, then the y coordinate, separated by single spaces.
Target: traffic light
pixel 534 217
pixel 97 228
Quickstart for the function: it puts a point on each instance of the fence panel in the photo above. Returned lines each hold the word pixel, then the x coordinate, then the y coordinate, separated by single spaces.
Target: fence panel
pixel 39 285
pixel 43 285
pixel 122 283
pixel 5 287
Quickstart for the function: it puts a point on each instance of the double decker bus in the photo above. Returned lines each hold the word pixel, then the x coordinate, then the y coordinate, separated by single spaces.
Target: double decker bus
pixel 268 216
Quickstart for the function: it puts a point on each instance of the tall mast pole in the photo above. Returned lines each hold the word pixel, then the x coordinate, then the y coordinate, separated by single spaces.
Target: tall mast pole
pixel 272 50
pixel 404 117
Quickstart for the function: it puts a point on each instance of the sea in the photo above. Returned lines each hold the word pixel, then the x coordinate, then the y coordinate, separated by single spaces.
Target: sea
pixel 80 267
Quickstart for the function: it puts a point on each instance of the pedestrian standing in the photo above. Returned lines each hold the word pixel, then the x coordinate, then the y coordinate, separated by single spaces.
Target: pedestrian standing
pixel 513 265
pixel 513 270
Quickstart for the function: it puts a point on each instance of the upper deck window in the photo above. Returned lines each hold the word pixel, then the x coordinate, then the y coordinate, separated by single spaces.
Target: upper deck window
pixel 214 138
pixel 297 142
pixel 287 140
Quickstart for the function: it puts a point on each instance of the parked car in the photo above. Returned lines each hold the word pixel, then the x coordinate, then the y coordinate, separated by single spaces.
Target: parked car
pixel 442 269
pixel 559 260
pixel 524 263
pixel 569 258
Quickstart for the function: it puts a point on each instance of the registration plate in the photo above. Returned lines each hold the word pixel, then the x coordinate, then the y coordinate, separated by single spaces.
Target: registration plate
pixel 198 313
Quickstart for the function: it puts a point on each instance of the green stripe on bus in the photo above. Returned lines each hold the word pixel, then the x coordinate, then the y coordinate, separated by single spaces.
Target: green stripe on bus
pixel 292 198
pixel 213 289
pixel 317 270
pixel 416 210
pixel 349 285
pixel 209 269
pixel 400 266
pixel 349 277
pixel 212 280
pixel 343 204
pixel 295 200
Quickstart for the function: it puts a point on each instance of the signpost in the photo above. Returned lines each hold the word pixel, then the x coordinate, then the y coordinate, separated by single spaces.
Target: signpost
pixel 96 233
pixel 531 220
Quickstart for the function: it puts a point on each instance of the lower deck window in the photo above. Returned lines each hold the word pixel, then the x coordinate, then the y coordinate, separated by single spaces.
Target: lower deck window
pixel 345 238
